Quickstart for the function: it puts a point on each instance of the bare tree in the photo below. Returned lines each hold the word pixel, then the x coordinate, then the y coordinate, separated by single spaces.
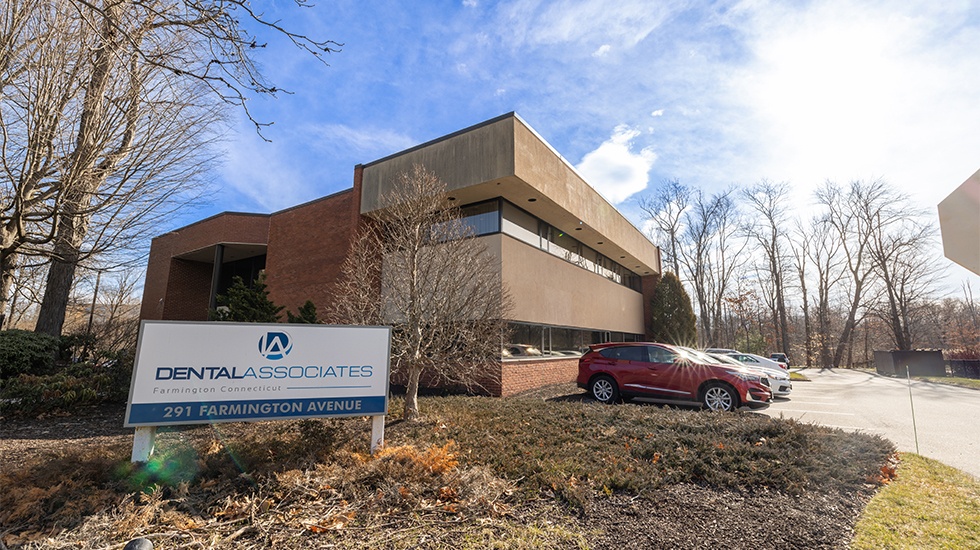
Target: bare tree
pixel 106 107
pixel 110 306
pixel 825 255
pixel 851 214
pixel 768 201
pixel 902 248
pixel 417 268
pixel 666 210
pixel 32 65
pixel 25 293
pixel 800 246
pixel 711 255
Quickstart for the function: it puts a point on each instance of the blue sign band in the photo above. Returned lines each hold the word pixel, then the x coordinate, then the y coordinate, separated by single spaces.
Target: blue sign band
pixel 202 412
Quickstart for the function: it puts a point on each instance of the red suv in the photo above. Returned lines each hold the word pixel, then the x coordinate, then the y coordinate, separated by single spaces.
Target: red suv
pixel 626 369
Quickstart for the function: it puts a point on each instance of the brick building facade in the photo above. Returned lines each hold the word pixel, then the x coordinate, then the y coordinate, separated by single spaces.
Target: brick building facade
pixel 579 272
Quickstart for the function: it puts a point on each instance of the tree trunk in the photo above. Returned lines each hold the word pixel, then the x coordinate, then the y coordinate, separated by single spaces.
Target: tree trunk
pixel 411 411
pixel 85 175
pixel 61 274
pixel 8 263
pixel 823 317
pixel 849 324
pixel 781 311
pixel 807 336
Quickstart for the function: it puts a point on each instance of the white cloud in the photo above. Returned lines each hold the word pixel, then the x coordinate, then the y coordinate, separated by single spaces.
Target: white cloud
pixel 603 50
pixel 846 91
pixel 624 23
pixel 270 176
pixel 614 170
pixel 359 142
pixel 263 173
pixel 470 3
pixel 658 112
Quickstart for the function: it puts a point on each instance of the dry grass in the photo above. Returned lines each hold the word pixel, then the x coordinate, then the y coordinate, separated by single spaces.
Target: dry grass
pixel 928 506
pixel 474 473
pixel 952 381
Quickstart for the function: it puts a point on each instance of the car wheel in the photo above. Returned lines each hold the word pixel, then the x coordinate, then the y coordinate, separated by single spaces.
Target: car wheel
pixel 717 397
pixel 604 389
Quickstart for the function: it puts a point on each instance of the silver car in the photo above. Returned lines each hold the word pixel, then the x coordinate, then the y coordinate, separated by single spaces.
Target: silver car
pixel 779 381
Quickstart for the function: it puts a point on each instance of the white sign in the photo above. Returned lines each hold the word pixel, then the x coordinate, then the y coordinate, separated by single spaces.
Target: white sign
pixel 197 373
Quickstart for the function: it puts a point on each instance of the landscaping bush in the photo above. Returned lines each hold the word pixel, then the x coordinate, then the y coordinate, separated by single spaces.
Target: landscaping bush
pixel 23 351
pixel 79 384
pixel 76 347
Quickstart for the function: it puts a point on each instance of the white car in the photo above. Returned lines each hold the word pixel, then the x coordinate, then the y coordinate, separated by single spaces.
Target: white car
pixel 774 379
pixel 754 360
pixel 779 382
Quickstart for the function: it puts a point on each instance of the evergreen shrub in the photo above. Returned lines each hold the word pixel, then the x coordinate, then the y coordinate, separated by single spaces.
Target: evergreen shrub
pixel 23 351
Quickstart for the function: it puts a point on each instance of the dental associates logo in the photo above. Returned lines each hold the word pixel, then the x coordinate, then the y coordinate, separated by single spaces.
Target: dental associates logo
pixel 275 345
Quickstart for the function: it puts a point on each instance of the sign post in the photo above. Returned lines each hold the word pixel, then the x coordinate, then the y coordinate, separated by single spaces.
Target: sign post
pixel 203 373
pixel 377 433
pixel 143 443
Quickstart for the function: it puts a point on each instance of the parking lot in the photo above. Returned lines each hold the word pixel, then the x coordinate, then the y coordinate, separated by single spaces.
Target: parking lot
pixel 946 417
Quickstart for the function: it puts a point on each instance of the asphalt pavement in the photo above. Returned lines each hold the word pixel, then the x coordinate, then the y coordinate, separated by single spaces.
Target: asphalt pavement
pixel 947 418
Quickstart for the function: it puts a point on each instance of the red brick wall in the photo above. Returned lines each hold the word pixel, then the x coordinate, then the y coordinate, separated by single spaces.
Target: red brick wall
pixel 519 376
pixel 487 383
pixel 188 291
pixel 515 376
pixel 307 247
pixel 157 287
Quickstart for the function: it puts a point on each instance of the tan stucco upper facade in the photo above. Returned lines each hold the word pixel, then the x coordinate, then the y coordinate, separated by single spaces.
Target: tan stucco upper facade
pixel 504 157
pixel 959 221
pixel 545 289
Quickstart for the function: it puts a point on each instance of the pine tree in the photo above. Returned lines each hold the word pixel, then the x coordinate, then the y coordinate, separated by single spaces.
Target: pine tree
pixel 305 314
pixel 672 316
pixel 246 303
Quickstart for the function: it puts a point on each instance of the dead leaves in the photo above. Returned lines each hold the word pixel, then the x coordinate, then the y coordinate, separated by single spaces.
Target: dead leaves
pixel 887 472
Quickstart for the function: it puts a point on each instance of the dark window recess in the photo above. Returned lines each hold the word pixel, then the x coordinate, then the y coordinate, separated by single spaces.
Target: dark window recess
pixel 551 341
pixel 481 218
pixel 248 269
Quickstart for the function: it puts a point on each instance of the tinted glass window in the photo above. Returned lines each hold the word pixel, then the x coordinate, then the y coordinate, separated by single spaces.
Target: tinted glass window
pixel 481 219
pixel 661 355
pixel 629 353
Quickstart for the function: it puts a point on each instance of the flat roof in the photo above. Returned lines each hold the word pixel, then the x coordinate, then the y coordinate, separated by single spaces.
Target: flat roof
pixel 505 157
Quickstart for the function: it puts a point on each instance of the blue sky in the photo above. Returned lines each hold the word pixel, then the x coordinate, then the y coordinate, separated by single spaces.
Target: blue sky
pixel 630 92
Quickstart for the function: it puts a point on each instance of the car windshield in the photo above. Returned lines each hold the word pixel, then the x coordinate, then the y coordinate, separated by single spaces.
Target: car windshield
pixel 724 359
pixel 695 355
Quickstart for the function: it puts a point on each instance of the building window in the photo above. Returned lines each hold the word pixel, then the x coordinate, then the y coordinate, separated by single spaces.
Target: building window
pixel 481 218
pixel 248 269
pixel 498 215
pixel 528 341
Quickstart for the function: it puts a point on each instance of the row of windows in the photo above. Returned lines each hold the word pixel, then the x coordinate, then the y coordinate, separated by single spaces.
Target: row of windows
pixel 525 340
pixel 500 216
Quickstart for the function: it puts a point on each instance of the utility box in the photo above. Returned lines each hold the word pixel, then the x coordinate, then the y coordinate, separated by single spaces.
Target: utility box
pixel 918 362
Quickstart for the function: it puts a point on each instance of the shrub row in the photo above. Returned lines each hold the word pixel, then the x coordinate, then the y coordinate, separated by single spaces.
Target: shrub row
pixel 23 351
pixel 79 384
